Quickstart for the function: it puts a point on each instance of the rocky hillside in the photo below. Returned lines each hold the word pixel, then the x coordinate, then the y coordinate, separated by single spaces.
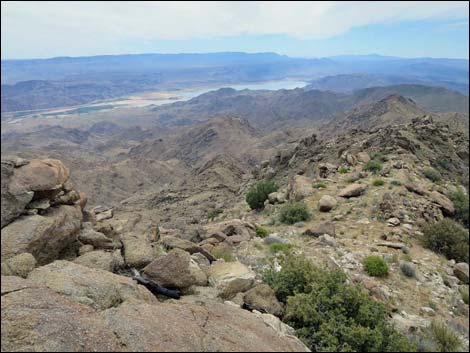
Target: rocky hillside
pixel 393 109
pixel 186 268
pixel 111 163
pixel 370 193
pixel 60 261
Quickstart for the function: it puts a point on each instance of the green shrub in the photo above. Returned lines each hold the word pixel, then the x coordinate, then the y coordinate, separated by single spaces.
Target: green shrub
pixel 320 185
pixel 213 213
pixel 295 276
pixel 331 315
pixel 445 164
pixel 378 182
pixel 259 193
pixel 432 175
pixel 373 166
pixel 261 232
pixel 460 200
pixel 279 247
pixel 343 170
pixel 379 157
pixel 294 212
pixel 447 237
pixel 375 266
pixel 444 338
pixel 222 252
pixel 464 293
pixel 408 269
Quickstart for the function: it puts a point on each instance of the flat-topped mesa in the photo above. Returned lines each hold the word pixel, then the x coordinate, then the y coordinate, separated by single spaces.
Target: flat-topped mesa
pixel 41 210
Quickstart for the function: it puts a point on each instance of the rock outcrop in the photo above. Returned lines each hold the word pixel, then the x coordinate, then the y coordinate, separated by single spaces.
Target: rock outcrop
pixel 205 326
pixel 230 278
pixel 175 270
pixel 35 318
pixel 31 181
pixel 44 236
pixel 262 298
pixel 327 203
pixel 353 190
pixel 41 213
pixel 96 288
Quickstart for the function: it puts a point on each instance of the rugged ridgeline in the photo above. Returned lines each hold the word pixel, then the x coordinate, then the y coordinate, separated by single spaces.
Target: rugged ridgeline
pixel 393 109
pixel 422 141
pixel 370 193
pixel 271 110
pixel 60 260
pixel 61 290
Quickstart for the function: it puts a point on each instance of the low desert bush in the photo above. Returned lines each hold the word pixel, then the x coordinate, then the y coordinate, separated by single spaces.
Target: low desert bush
pixel 448 238
pixel 378 182
pixel 330 315
pixel 258 193
pixel 375 266
pixel 432 175
pixel 443 337
pixel 373 166
pixel 261 232
pixel 294 212
pixel 460 201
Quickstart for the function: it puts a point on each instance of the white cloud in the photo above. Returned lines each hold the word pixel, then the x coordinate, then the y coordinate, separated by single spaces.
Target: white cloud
pixel 94 24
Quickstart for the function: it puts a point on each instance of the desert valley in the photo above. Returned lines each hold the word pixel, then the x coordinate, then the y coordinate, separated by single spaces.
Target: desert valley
pixel 234 202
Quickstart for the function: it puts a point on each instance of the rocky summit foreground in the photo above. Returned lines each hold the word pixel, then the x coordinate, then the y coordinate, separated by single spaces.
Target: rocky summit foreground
pixel 62 291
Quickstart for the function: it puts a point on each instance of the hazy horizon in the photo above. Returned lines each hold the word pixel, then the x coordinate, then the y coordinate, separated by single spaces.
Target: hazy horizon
pixel 296 29
pixel 238 52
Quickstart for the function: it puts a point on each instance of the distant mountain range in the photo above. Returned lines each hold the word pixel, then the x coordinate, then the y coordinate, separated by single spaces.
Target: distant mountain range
pixel 271 110
pixel 64 81
pixel 351 82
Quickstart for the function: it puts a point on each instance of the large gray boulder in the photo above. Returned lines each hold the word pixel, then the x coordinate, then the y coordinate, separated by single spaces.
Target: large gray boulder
pixel 300 187
pixel 138 250
pixel 97 239
pixel 96 288
pixel 230 278
pixel 171 242
pixel 44 236
pixel 101 260
pixel 443 202
pixel 353 190
pixel 201 326
pixel 13 203
pixel 36 319
pixel 176 270
pixel 263 298
pixel 21 182
pixel 327 203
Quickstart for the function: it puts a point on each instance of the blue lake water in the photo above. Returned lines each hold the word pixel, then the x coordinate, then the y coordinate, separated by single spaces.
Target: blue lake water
pixel 185 95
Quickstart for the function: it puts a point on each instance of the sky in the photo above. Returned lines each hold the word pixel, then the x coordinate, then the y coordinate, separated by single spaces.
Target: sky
pixel 41 29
